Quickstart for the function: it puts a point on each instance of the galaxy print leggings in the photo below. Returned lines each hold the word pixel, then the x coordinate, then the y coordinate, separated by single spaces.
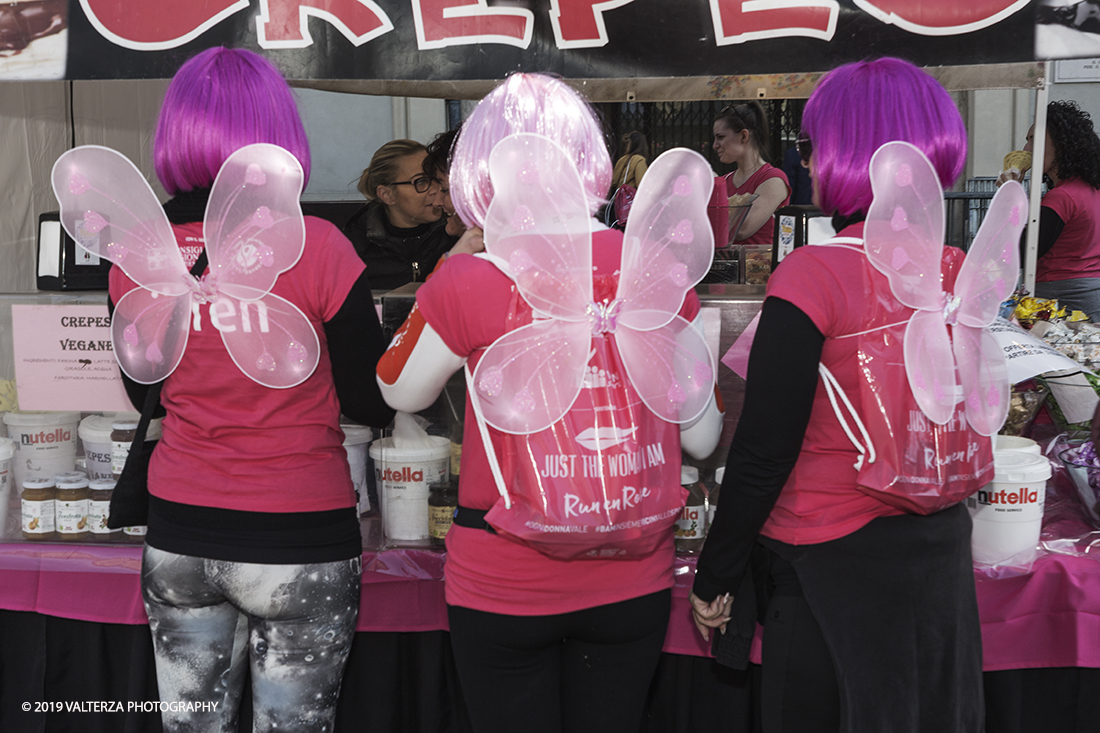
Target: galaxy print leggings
pixel 291 624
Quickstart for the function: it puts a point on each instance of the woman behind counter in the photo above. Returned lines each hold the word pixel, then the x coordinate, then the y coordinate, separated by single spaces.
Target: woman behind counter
pixel 1068 265
pixel 741 137
pixel 401 231
pixel 252 557
pixel 542 645
pixel 632 163
pixel 872 618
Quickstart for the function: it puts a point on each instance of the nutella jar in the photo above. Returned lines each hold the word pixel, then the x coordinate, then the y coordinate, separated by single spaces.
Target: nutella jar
pixel 134 535
pixel 37 501
pixel 99 507
pixel 442 502
pixel 691 525
pixel 71 507
pixel 122 436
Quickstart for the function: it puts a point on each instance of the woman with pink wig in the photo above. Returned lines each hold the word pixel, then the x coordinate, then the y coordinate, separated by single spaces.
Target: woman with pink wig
pixel 541 644
pixel 252 557
pixel 869 613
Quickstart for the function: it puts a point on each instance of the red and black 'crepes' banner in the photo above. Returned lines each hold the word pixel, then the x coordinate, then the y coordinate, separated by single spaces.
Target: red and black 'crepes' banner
pixel 425 40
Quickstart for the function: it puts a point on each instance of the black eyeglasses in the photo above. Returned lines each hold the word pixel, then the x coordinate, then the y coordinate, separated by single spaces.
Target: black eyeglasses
pixel 805 147
pixel 420 185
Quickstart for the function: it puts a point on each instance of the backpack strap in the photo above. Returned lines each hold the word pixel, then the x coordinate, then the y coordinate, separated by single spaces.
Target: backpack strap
pixel 832 386
pixel 833 390
pixel 486 440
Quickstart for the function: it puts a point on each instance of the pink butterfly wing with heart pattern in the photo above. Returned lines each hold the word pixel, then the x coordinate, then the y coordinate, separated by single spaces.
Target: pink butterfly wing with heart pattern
pixel 538 226
pixel 254 232
pixel 904 241
pixel 108 208
pixel 668 247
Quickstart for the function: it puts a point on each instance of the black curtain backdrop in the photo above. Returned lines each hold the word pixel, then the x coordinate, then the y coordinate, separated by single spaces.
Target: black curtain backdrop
pixel 406 683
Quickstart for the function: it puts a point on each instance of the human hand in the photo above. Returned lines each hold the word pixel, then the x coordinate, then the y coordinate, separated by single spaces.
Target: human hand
pixel 1012 174
pixel 471 242
pixel 454 227
pixel 713 615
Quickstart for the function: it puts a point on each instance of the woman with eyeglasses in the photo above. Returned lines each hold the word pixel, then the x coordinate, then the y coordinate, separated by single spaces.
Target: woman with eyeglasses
pixel 401 232
pixel 870 614
pixel 741 137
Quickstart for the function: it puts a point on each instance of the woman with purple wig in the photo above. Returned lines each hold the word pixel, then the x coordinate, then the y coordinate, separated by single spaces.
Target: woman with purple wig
pixel 542 644
pixel 869 613
pixel 252 557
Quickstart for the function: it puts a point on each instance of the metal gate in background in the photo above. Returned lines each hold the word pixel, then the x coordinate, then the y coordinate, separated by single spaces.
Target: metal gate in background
pixel 690 125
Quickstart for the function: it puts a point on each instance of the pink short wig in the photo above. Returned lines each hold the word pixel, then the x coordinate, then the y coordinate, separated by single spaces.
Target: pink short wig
pixel 858 107
pixel 527 103
pixel 220 100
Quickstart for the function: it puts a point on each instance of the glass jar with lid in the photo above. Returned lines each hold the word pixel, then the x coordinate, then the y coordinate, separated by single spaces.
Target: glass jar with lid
pixel 71 506
pixel 38 501
pixel 442 502
pixel 691 526
pixel 99 507
pixel 123 433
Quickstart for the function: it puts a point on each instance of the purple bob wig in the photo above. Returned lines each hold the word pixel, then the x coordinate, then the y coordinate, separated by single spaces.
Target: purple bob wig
pixel 220 100
pixel 527 103
pixel 858 107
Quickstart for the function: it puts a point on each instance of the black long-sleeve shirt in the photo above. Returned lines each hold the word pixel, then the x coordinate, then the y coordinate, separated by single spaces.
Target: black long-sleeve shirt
pixel 779 395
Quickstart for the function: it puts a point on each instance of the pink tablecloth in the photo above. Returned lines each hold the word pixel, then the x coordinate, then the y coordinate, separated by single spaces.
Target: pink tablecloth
pixel 402 589
pixel 1049 618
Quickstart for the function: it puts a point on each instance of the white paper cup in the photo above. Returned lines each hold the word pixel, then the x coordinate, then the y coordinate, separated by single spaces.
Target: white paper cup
pixel 356 440
pixel 1008 511
pixel 403 477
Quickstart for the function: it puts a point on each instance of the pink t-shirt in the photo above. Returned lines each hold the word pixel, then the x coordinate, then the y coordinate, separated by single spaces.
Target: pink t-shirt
pixel 231 443
pixel 842 294
pixel 1076 253
pixel 766 233
pixel 467 302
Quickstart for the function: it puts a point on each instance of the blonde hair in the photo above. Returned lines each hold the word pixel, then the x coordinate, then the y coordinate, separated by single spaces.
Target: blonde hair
pixel 384 164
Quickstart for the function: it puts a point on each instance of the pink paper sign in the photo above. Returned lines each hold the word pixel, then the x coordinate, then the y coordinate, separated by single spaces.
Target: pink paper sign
pixel 737 358
pixel 64 359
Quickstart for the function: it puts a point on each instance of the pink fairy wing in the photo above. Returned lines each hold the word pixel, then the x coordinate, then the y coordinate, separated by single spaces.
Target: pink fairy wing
pixel 670 368
pixel 149 334
pixel 530 377
pixel 984 376
pixel 270 340
pixel 669 244
pixel 930 366
pixel 253 227
pixel 904 230
pixel 538 223
pixel 108 209
pixel 254 232
pixel 988 276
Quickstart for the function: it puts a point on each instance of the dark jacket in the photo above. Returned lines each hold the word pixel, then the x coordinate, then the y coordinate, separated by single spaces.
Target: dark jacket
pixel 396 256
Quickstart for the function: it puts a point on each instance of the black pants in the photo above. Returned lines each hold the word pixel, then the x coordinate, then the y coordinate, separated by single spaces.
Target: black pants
pixel 799 691
pixel 588 670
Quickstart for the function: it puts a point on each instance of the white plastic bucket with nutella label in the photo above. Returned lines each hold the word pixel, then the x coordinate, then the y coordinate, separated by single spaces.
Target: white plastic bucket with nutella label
pixel 403 477
pixel 45 443
pixel 1008 511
